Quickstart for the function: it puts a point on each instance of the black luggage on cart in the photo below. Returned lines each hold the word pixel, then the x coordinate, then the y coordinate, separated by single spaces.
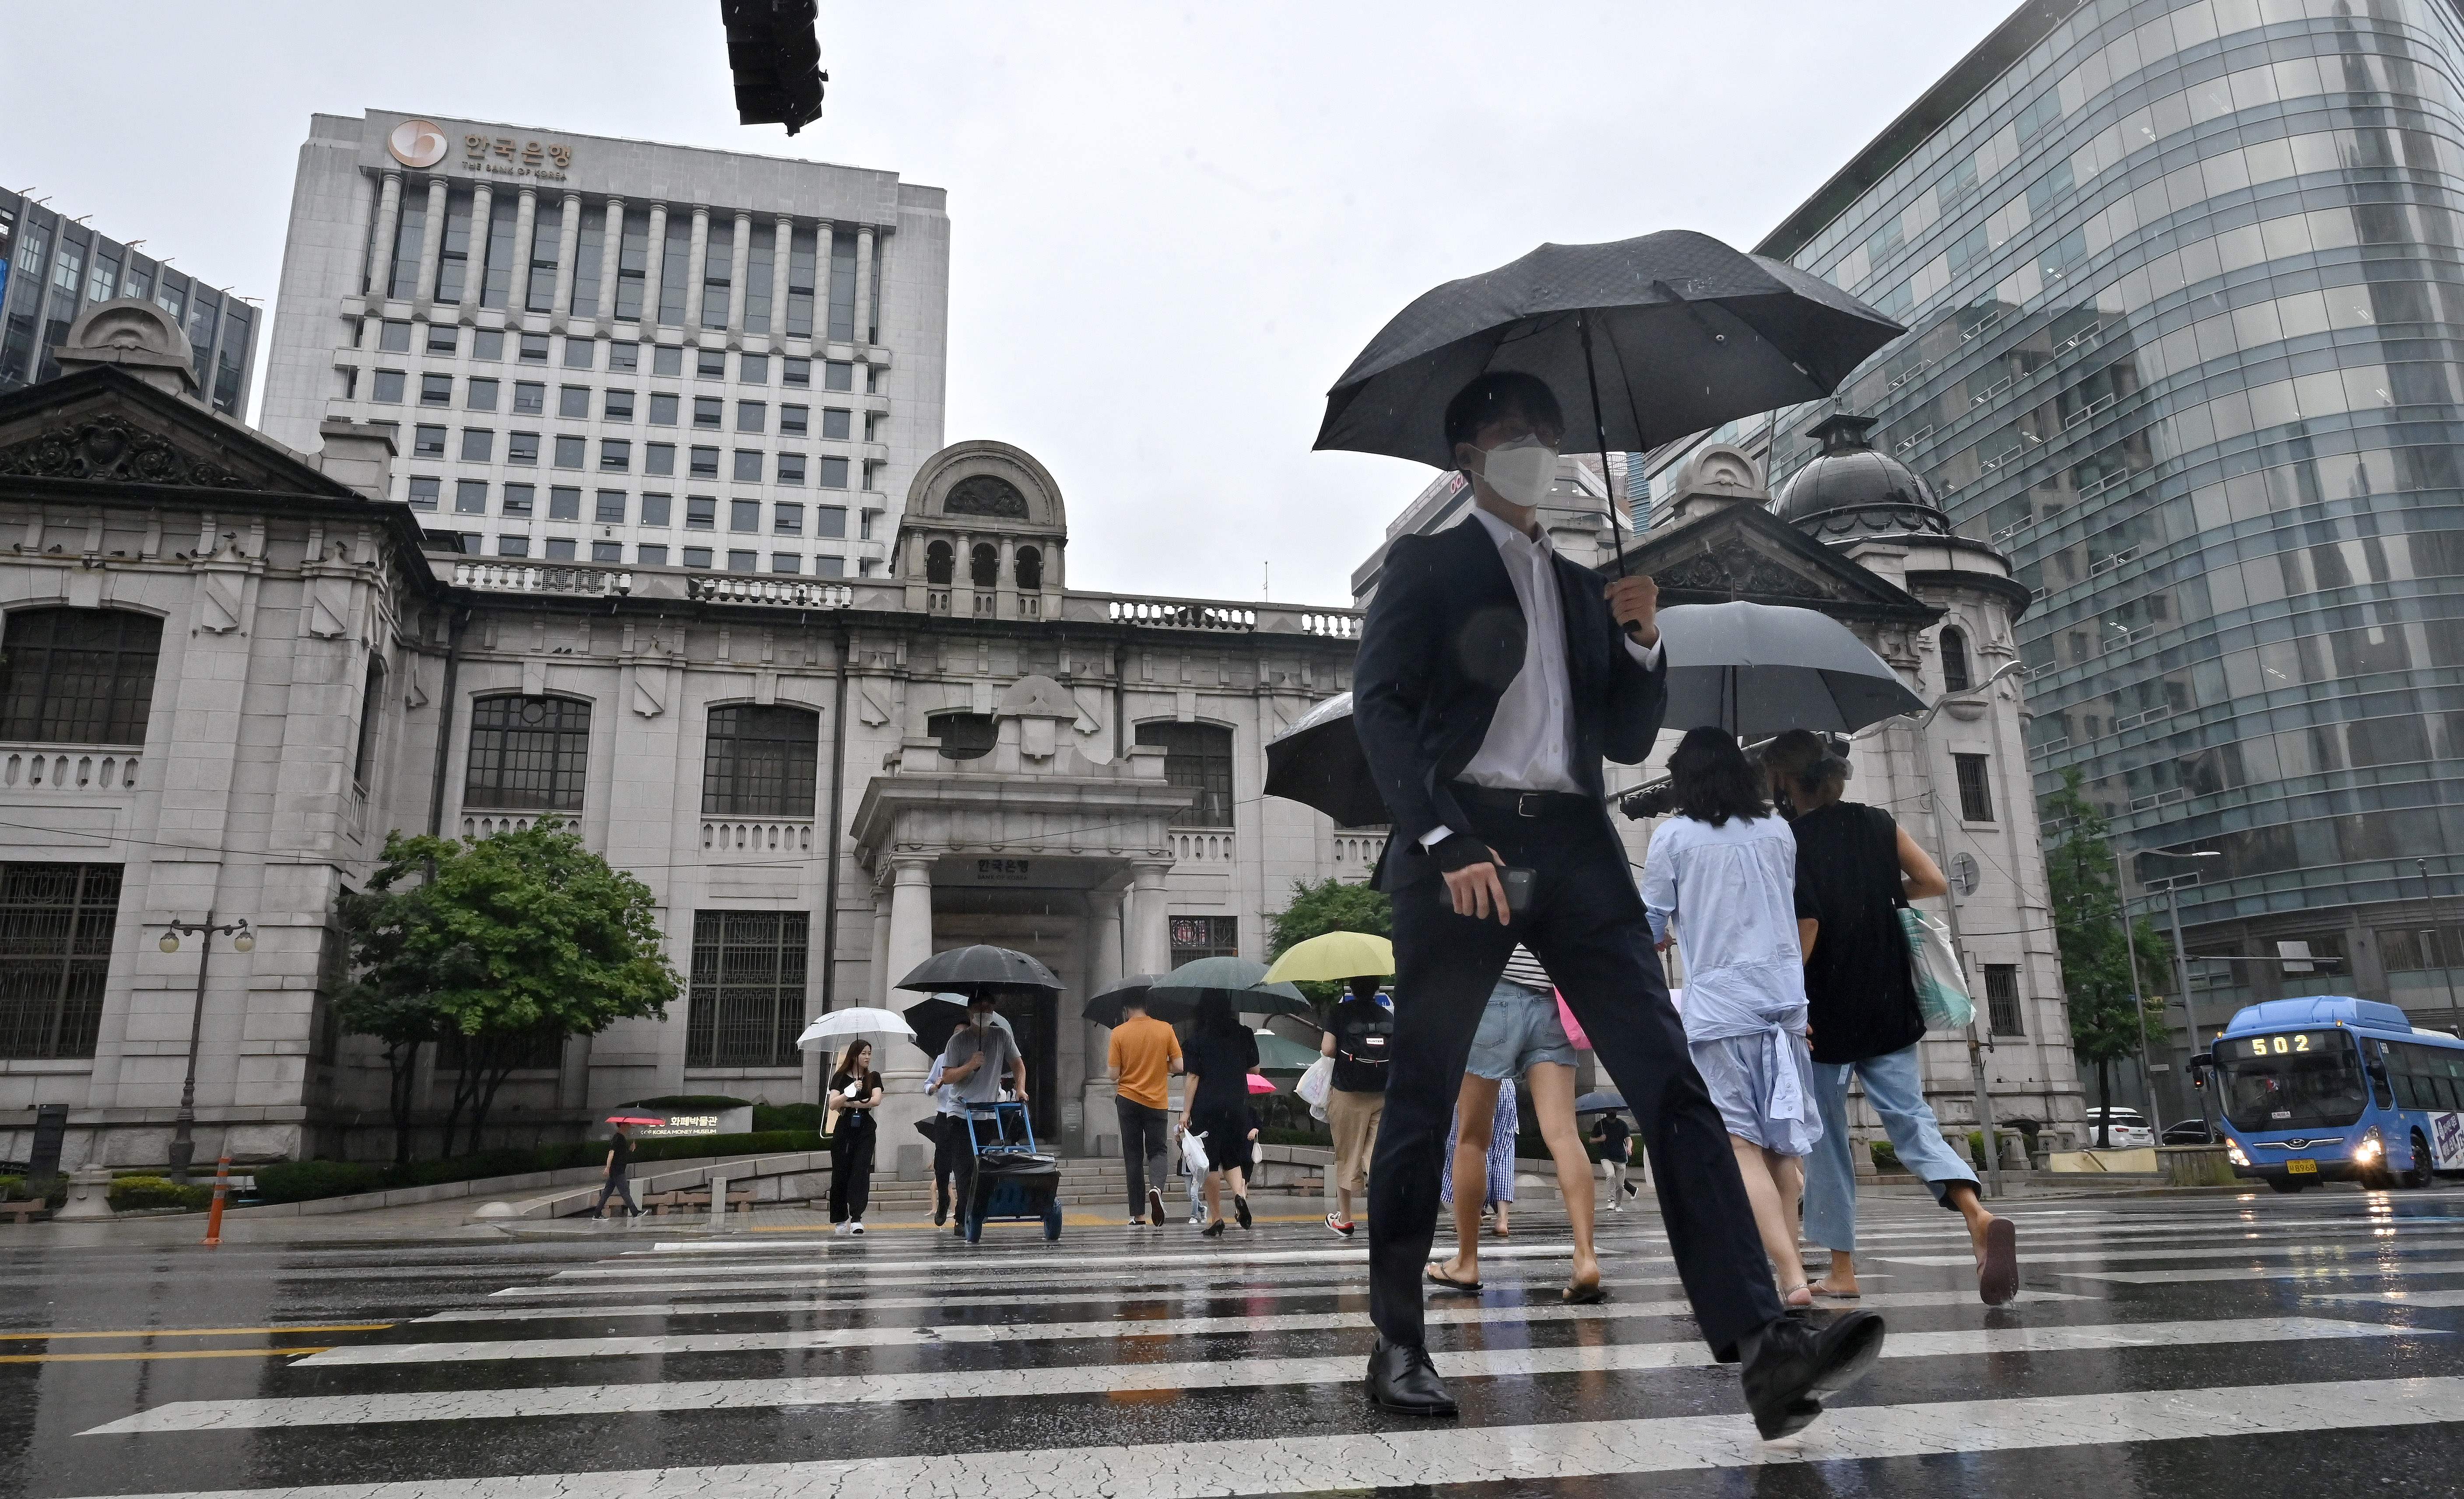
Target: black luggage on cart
pixel 1012 1181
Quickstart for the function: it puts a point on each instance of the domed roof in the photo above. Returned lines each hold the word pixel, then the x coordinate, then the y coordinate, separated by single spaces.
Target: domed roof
pixel 1849 492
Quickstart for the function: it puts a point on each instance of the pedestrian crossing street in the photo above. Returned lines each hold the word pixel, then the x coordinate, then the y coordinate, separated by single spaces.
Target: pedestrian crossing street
pixel 1149 1364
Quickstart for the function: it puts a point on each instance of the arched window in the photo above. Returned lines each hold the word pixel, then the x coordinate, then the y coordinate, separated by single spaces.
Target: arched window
pixel 983 567
pixel 1029 568
pixel 1198 756
pixel 78 677
pixel 1955 676
pixel 964 735
pixel 760 762
pixel 364 760
pixel 527 753
pixel 941 562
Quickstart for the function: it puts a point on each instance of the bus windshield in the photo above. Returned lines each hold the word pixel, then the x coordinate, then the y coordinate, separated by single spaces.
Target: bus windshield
pixel 2299 1080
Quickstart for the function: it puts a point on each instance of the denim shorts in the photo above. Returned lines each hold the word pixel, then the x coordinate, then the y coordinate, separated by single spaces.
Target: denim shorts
pixel 1519 1027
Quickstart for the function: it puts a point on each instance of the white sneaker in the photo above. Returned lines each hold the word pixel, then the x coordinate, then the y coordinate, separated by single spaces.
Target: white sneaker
pixel 857 1229
pixel 838 1228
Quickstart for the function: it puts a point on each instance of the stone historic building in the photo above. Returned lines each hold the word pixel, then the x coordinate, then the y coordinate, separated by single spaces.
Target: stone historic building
pixel 227 668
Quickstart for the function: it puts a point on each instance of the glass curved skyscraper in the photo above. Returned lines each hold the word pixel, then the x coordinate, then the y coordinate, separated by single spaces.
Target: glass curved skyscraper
pixel 2185 285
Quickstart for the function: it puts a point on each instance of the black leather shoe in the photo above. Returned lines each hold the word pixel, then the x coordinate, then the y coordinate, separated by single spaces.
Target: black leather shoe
pixel 1796 1366
pixel 1240 1210
pixel 1401 1378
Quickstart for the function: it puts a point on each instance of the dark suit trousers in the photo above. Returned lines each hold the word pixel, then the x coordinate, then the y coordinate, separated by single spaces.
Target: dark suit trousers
pixel 1585 926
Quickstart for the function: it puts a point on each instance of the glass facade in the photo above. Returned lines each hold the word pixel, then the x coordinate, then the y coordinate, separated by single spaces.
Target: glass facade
pixel 52 268
pixel 2185 285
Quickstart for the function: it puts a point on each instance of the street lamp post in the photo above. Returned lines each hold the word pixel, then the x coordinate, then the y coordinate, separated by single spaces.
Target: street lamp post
pixel 2181 955
pixel 184 1145
pixel 2138 1000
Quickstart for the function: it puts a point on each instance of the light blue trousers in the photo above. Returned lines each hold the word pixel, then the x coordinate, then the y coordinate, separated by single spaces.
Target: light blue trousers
pixel 1896 1088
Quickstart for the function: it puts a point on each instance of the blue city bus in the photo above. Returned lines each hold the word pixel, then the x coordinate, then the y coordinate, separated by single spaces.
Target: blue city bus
pixel 2334 1089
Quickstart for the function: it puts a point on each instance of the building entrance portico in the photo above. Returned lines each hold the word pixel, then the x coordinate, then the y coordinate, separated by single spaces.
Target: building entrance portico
pixel 1023 843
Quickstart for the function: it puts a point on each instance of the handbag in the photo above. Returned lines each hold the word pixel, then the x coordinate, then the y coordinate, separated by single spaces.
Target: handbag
pixel 1942 989
pixel 1573 1027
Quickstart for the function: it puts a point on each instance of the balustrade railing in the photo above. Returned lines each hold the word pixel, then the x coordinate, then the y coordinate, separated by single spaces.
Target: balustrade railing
pixel 786 593
pixel 46 768
pixel 487 825
pixel 754 838
pixel 1200 846
pixel 529 578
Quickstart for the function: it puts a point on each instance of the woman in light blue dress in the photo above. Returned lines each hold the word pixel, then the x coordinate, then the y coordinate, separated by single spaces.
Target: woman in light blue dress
pixel 1720 876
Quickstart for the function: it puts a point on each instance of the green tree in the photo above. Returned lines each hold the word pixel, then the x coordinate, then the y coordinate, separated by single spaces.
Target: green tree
pixel 2106 1022
pixel 1329 905
pixel 497 945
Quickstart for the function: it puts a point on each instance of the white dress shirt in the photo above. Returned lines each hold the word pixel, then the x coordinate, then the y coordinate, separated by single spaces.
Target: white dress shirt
pixel 1530 741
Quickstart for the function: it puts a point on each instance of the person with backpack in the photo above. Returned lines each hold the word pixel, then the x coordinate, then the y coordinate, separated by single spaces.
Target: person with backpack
pixel 1856 867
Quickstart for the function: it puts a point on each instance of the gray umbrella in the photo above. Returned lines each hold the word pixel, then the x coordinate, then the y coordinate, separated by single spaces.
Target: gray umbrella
pixel 964 970
pixel 1240 980
pixel 1757 668
pixel 1643 341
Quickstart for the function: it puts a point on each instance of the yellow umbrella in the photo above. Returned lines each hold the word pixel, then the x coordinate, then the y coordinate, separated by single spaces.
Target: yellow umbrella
pixel 1336 954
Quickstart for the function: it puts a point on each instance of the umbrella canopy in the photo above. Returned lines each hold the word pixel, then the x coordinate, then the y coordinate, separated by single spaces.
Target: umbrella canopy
pixel 1333 955
pixel 633 1118
pixel 964 970
pixel 860 1020
pixel 1240 980
pixel 1278 1053
pixel 933 1019
pixel 1606 1101
pixel 1259 1085
pixel 1317 763
pixel 1677 331
pixel 1105 1008
pixel 1757 668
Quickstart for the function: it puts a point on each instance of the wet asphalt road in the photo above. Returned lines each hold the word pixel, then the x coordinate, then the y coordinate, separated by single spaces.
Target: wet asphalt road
pixel 2242 1346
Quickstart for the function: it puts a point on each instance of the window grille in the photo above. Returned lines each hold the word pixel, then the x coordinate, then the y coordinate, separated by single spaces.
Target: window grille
pixel 2002 998
pixel 746 997
pixel 760 762
pixel 527 753
pixel 1204 936
pixel 78 677
pixel 1198 756
pixel 56 925
pixel 1975 790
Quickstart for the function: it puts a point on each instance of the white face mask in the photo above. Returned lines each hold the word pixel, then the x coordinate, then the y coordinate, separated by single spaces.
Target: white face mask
pixel 1520 471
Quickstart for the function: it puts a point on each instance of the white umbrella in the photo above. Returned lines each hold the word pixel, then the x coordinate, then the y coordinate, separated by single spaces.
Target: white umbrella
pixel 861 1020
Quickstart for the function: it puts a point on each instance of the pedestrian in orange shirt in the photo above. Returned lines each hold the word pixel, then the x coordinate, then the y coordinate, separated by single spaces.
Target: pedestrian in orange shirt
pixel 1143 1056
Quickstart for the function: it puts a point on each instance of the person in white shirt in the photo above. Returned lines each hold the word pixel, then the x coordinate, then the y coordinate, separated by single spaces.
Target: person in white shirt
pixel 1493 678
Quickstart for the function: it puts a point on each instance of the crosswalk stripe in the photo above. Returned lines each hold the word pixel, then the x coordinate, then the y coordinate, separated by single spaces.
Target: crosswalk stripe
pixel 604 1400
pixel 2242 1273
pixel 1493 1454
pixel 2028 1257
pixel 951 1333
pixel 975 1267
pixel 2395 1298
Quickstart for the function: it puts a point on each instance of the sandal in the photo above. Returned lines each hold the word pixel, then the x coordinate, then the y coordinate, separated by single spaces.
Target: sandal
pixel 1791 1297
pixel 1590 1295
pixel 1828 1294
pixel 1998 1269
pixel 1460 1287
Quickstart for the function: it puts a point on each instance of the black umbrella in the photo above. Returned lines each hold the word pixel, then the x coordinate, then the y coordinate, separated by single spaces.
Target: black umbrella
pixel 1318 762
pixel 1105 1008
pixel 1605 1101
pixel 933 1021
pixel 1643 341
pixel 1757 668
pixel 964 970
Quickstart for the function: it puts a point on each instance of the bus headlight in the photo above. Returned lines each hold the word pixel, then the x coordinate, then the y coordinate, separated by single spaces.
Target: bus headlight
pixel 2370 1147
pixel 2233 1153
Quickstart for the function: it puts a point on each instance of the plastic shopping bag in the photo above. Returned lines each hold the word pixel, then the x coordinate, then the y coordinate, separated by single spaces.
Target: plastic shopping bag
pixel 1317 1083
pixel 1193 1154
pixel 1942 989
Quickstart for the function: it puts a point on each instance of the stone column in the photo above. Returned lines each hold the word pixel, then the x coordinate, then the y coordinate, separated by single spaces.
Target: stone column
pixel 877 983
pixel 697 264
pixel 1104 937
pixel 1005 581
pixel 864 322
pixel 611 260
pixel 910 914
pixel 380 274
pixel 654 267
pixel 475 273
pixel 517 286
pixel 431 242
pixel 1150 936
pixel 782 245
pixel 568 246
pixel 739 260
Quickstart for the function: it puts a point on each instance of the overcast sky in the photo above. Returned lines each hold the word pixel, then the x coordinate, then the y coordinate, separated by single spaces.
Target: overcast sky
pixel 1172 226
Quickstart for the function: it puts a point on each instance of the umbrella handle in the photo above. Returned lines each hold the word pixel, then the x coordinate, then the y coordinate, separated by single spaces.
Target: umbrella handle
pixel 1601 430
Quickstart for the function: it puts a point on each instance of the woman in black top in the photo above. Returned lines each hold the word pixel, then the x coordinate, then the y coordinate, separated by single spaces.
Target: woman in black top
pixel 1215 1103
pixel 855 1092
pixel 1856 867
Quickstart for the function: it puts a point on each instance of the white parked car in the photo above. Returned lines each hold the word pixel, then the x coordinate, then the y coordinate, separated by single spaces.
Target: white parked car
pixel 2130 1129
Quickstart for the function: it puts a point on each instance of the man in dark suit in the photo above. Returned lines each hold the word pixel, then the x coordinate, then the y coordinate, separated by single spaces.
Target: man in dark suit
pixel 1495 676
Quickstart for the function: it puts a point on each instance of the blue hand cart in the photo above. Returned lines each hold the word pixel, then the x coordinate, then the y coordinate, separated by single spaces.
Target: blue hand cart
pixel 1012 1183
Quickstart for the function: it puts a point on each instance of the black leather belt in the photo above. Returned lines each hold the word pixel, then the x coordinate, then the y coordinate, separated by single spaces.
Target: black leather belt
pixel 1521 803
